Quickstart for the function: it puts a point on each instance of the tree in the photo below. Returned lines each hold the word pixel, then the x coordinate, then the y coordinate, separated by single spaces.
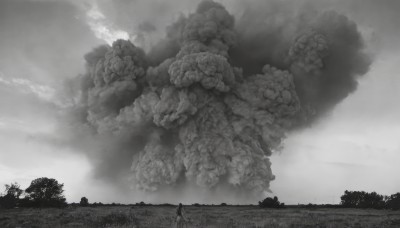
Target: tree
pixel 14 190
pixel 352 198
pixel 84 202
pixel 373 200
pixel 11 197
pixel 393 201
pixel 46 192
pixel 271 203
pixel 357 199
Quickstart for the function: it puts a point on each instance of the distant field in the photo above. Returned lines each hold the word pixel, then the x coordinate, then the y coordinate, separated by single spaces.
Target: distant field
pixel 205 216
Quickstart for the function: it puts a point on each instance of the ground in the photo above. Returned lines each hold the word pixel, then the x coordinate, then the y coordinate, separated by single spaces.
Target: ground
pixel 203 216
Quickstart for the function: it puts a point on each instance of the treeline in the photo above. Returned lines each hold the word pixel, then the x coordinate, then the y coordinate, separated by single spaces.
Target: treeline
pixel 85 203
pixel 47 192
pixel 350 199
pixel 361 199
pixel 42 192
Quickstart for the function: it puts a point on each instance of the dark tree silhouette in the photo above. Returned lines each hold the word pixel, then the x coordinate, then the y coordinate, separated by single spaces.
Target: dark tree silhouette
pixel 271 203
pixel 357 199
pixel 14 190
pixel 46 192
pixel 84 202
pixel 11 197
pixel 393 201
pixel 351 199
pixel 373 200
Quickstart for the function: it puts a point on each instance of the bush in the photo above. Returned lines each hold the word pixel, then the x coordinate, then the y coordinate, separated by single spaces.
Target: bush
pixel 8 202
pixel 271 203
pixel 141 203
pixel 310 206
pixel 11 197
pixel 97 204
pixel 84 202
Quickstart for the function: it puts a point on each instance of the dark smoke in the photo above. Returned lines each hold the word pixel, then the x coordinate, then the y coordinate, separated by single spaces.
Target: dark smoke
pixel 212 100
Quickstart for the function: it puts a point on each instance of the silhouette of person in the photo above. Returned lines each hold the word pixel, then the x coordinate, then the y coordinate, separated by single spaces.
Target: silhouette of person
pixel 180 216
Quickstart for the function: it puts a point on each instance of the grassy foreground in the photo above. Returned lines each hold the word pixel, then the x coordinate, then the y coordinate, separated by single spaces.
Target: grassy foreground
pixel 205 216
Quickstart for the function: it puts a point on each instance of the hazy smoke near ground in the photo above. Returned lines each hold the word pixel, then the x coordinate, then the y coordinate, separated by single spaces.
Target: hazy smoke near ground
pixel 210 102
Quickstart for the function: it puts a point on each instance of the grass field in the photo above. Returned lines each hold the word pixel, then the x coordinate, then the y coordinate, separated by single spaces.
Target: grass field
pixel 205 216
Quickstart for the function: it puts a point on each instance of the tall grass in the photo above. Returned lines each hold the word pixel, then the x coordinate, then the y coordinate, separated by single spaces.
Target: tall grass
pixel 206 217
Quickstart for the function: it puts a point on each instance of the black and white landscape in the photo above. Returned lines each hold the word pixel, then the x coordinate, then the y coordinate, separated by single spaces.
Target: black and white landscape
pixel 114 111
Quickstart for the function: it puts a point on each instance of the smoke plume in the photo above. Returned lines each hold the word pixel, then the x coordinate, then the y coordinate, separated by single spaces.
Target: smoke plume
pixel 212 100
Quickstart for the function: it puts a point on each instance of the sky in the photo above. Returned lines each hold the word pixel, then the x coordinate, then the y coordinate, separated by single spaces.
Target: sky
pixel 354 147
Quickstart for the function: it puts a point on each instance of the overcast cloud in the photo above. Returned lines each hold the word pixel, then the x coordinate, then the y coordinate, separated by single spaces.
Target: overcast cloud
pixel 355 147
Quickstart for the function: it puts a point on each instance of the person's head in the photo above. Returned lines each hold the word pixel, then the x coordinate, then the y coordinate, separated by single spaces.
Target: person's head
pixel 180 205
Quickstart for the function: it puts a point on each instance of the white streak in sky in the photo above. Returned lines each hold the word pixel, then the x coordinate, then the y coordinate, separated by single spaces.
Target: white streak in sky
pixel 101 28
pixel 43 92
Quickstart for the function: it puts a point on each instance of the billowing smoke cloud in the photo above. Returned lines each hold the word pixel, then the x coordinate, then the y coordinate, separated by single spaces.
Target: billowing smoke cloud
pixel 212 100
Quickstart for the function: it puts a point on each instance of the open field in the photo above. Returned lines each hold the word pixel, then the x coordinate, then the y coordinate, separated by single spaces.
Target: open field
pixel 204 216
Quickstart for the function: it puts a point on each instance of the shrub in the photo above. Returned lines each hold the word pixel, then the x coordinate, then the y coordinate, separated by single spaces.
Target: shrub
pixel 141 204
pixel 8 201
pixel 271 203
pixel 11 197
pixel 84 202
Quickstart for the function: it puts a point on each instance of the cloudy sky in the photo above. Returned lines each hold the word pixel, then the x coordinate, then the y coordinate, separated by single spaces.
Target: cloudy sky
pixel 355 147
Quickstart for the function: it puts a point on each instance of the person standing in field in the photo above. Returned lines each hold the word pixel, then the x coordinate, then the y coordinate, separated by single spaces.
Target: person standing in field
pixel 180 217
